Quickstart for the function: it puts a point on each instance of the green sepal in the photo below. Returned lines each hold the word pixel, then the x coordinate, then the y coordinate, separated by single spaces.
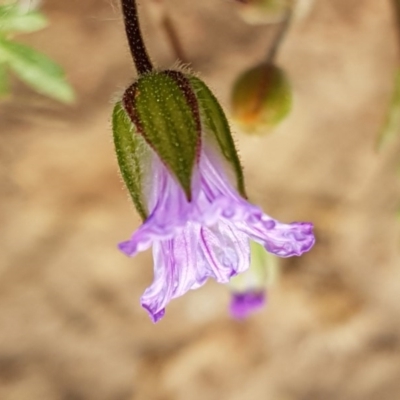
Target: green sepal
pixel 37 70
pixel 216 126
pixel 159 107
pixel 133 157
pixel 14 19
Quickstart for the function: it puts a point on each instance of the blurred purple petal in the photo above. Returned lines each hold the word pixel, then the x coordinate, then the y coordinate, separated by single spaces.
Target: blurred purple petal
pixel 244 304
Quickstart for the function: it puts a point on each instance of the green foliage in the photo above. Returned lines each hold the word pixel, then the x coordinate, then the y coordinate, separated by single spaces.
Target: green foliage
pixel 14 19
pixel 132 154
pixel 391 128
pixel 37 70
pixel 31 66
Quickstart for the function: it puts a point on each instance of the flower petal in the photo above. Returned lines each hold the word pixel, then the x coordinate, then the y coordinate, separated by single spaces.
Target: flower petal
pixel 206 237
pixel 225 250
pixel 284 240
pixel 175 271
pixel 189 259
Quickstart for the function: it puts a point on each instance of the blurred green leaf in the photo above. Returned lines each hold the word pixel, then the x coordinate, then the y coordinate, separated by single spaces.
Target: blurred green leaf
pixel 4 89
pixel 37 70
pixel 391 127
pixel 15 19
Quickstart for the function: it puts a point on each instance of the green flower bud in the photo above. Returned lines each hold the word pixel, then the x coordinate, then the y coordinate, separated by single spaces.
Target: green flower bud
pixel 272 11
pixel 261 98
pixel 264 11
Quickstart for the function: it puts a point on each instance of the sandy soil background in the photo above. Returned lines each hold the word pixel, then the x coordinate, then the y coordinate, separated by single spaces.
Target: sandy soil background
pixel 71 327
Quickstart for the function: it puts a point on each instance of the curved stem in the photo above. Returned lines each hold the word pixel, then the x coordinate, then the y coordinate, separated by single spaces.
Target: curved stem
pixel 280 35
pixel 135 39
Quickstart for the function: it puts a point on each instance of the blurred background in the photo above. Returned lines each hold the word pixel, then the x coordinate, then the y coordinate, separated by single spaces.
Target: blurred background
pixel 71 326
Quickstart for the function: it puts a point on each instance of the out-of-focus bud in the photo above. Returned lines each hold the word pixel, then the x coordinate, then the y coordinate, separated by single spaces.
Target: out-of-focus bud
pixel 261 98
pixel 249 289
pixel 263 11
pixel 258 12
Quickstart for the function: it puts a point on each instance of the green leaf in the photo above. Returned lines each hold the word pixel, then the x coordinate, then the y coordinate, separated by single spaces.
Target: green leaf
pixel 217 127
pixel 391 128
pixel 37 70
pixel 4 89
pixel 162 114
pixel 133 157
pixel 14 19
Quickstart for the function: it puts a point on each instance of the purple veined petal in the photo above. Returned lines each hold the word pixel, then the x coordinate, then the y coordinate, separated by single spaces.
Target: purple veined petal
pixel 158 294
pixel 283 240
pixel 177 269
pixel 244 304
pixel 225 251
pixel 170 211
pixel 180 264
pixel 207 237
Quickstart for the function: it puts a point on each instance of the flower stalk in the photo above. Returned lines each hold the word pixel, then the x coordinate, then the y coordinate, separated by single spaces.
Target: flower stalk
pixel 135 39
pixel 280 36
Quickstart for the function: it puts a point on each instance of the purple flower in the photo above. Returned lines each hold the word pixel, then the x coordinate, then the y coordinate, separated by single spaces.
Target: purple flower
pixel 180 165
pixel 207 236
pixel 244 304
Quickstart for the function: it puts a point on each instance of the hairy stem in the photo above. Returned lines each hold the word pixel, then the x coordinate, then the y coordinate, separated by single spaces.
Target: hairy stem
pixel 135 39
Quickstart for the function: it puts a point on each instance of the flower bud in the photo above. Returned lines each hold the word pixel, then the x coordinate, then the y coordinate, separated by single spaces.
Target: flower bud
pixel 261 98
pixel 249 289
pixel 263 11
pixel 257 12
